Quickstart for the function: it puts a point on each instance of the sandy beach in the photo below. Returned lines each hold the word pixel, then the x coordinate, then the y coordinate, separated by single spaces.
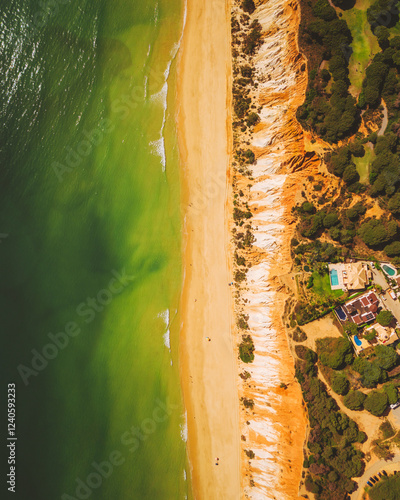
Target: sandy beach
pixel 208 368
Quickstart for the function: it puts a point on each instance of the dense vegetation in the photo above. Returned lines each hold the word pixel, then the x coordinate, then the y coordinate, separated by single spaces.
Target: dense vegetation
pixel 328 109
pixel 335 355
pixel 332 457
pixel 332 114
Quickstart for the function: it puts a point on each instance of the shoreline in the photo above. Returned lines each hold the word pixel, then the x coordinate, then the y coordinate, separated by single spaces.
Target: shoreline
pixel 208 368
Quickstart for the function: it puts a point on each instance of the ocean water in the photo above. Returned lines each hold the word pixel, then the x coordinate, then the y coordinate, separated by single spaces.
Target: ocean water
pixel 90 242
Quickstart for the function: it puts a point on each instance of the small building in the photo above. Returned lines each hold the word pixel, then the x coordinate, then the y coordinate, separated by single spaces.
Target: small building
pixel 384 335
pixel 360 310
pixel 349 276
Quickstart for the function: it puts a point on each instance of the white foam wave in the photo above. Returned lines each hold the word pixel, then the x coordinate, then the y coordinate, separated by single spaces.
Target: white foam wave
pixel 158 148
pixel 156 11
pixel 167 341
pixel 162 95
pixel 184 428
pixel 165 316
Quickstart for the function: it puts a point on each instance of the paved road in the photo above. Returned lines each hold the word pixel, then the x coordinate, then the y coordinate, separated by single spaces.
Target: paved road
pixel 392 466
pixel 392 305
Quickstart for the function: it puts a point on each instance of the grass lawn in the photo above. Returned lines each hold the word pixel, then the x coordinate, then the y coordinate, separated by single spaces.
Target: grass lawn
pixel 364 44
pixel 362 164
pixel 322 285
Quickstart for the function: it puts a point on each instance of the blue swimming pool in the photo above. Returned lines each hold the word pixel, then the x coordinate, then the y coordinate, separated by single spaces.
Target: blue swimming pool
pixel 342 315
pixel 334 277
pixel 357 340
pixel 388 270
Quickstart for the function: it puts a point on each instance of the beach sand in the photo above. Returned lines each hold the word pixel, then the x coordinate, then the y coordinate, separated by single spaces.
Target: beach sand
pixel 208 368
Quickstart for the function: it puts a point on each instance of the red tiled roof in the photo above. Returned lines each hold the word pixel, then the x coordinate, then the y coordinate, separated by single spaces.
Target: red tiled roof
pixel 372 298
pixel 357 320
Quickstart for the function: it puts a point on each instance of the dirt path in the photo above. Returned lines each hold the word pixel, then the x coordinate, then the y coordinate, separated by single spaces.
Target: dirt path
pixel 385 119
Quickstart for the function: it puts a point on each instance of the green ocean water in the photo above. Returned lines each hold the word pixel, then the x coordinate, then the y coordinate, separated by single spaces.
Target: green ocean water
pixel 90 242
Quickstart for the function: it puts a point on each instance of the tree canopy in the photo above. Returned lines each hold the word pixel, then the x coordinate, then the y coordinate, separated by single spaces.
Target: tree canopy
pixel 354 400
pixel 376 403
pixel 386 357
pixel 334 352
pixel 384 318
pixel 373 233
pixel 340 383
pixel 387 489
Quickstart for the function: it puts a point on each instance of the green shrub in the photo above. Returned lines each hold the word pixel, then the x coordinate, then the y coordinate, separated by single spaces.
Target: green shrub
pixel 391 392
pixel 340 383
pixel 250 453
pixel 334 352
pixel 388 489
pixel 248 6
pixel 376 403
pixel 372 374
pixel 246 349
pixel 386 356
pixel 299 335
pixel 253 40
pixel 330 220
pixel 371 335
pixel 373 233
pixel 242 322
pixel 324 11
pixel 356 211
pixel 393 249
pixel 247 403
pixel 385 318
pixel 394 203
pixel 252 119
pixel 354 400
pixel 387 430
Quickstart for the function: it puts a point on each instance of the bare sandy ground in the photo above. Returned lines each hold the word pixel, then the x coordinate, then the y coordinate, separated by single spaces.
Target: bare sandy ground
pixel 208 368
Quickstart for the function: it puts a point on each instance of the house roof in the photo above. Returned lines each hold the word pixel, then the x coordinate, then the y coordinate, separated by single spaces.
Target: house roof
pixel 356 276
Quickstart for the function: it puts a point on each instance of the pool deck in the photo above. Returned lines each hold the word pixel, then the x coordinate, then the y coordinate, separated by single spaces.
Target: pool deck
pixel 364 345
pixel 350 276
pixel 392 268
pixel 339 271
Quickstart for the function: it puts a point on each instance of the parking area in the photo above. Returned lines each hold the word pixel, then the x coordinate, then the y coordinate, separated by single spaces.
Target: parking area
pixel 392 305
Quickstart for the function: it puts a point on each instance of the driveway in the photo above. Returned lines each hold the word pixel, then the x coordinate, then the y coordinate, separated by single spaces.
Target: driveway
pixel 389 467
pixel 395 416
pixel 389 303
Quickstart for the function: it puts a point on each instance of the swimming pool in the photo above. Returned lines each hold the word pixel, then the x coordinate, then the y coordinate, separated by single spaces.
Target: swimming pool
pixel 341 313
pixel 334 277
pixel 389 270
pixel 357 341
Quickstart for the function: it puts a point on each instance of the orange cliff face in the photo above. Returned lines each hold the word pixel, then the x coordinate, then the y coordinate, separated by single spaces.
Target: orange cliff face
pixel 274 430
